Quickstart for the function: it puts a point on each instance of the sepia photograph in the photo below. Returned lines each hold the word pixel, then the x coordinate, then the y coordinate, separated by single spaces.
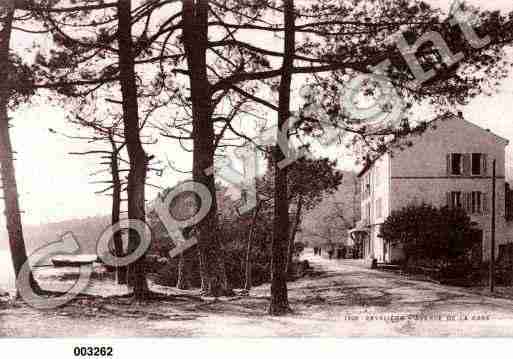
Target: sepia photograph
pixel 255 169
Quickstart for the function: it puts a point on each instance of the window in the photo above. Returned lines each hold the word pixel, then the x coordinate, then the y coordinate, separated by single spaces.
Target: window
pixel 379 210
pixel 455 200
pixel 477 164
pixel 466 164
pixel 366 185
pixel 456 164
pixel 475 206
pixel 509 202
pixel 474 202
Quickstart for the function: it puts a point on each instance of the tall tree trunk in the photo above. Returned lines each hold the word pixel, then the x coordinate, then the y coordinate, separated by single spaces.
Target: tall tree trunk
pixel 279 295
pixel 137 157
pixel 183 281
pixel 185 268
pixel 297 221
pixel 195 38
pixel 9 185
pixel 252 230
pixel 116 209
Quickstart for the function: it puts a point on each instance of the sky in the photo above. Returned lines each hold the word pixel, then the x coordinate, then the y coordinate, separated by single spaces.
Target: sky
pixel 55 185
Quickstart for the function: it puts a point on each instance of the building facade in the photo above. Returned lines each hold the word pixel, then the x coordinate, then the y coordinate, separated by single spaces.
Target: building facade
pixel 448 164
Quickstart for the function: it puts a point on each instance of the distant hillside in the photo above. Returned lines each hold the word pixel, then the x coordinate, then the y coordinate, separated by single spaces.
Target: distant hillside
pixel 86 230
pixel 337 213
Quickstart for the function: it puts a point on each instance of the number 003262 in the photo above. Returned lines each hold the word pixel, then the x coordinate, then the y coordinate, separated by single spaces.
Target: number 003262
pixel 92 351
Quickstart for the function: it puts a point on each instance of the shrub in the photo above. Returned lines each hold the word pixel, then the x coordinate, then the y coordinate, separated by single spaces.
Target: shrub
pixel 233 233
pixel 429 235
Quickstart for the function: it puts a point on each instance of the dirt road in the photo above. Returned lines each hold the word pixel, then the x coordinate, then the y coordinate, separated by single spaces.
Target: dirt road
pixel 388 304
pixel 339 298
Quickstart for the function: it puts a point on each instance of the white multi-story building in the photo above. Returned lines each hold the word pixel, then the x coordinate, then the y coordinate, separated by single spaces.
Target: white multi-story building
pixel 448 164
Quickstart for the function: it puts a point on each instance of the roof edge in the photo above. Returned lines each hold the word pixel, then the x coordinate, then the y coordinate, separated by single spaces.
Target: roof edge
pixel 446 116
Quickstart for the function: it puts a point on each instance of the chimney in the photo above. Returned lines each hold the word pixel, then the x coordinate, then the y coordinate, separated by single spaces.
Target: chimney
pixel 460 114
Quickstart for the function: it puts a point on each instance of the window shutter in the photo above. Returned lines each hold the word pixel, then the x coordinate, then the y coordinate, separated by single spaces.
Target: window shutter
pixel 484 200
pixel 466 164
pixel 484 164
pixel 448 162
pixel 448 199
pixel 467 205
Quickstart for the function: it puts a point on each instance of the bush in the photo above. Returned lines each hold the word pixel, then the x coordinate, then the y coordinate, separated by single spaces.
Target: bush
pixel 233 232
pixel 233 236
pixel 167 275
pixel 430 236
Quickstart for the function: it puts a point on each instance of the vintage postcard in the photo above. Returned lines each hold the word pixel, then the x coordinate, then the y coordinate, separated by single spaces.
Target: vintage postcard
pixel 255 168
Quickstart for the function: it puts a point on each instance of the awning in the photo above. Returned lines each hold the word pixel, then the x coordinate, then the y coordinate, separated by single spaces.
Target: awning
pixel 357 230
pixel 357 234
pixel 361 230
pixel 361 226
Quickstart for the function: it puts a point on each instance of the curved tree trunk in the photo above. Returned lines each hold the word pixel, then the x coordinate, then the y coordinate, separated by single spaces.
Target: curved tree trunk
pixel 279 295
pixel 195 38
pixel 116 208
pixel 136 154
pixel 8 176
